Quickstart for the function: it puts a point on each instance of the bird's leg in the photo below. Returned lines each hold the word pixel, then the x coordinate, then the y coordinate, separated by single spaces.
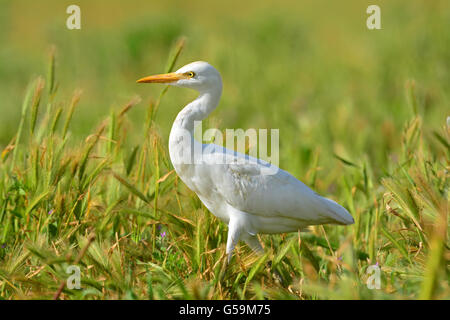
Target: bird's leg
pixel 253 242
pixel 234 233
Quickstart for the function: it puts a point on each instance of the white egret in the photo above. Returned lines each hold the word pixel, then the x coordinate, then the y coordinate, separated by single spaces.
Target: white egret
pixel 238 192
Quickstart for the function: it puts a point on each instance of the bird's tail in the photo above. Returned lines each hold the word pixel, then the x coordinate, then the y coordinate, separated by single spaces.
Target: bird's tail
pixel 337 212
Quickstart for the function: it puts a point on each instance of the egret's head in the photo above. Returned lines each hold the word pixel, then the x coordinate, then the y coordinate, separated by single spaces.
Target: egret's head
pixel 198 75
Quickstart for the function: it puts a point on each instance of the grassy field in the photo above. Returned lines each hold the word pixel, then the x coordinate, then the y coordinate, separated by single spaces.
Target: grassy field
pixel 85 177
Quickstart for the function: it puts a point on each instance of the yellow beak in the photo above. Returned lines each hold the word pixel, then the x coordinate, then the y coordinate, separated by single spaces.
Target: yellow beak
pixel 162 78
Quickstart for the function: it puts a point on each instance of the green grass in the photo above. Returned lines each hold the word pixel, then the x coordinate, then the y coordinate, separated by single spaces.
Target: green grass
pixel 87 180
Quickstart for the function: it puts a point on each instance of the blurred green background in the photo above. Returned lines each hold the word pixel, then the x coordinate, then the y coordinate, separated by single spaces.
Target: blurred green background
pixel 376 99
pixel 310 68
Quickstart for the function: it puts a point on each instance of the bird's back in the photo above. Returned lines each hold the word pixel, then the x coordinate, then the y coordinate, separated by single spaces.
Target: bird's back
pixel 268 195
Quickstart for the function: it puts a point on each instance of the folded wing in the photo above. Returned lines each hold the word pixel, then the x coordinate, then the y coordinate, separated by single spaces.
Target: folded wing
pixel 254 186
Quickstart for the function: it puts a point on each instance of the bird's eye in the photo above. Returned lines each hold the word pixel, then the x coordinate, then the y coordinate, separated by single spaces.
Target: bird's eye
pixel 190 74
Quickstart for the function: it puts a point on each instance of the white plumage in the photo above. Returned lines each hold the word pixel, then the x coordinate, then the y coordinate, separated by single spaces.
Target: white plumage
pixel 250 195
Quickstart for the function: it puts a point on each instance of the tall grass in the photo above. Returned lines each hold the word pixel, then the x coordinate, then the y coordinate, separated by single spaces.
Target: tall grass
pixel 117 210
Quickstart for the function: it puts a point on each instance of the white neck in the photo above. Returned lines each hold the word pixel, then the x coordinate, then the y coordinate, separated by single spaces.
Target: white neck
pixel 197 110
pixel 181 139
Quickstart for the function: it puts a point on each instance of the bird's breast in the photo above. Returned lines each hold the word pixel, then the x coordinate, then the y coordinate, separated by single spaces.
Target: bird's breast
pixel 198 178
